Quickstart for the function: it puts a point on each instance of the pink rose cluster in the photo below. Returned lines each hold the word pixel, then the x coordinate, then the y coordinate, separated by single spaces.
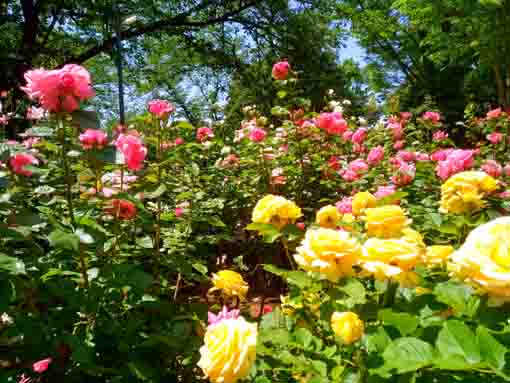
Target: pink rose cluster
pixel 355 170
pixel 344 206
pixel 19 161
pixel 93 139
pixel 250 130
pixel 375 156
pixel 160 108
pixel 439 135
pixel 333 123
pixel 59 90
pixel 453 161
pixel 133 150
pixel 433 117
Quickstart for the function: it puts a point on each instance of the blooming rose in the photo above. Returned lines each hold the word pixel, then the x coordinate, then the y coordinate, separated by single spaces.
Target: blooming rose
pixel 386 221
pixel 359 135
pixel 347 326
pixel 362 201
pixel 375 156
pixel 42 365
pixel 333 123
pixel 399 145
pixel 439 135
pixel 437 255
pixel 350 175
pixel 456 161
pixel 275 210
pixel 464 192
pixel 495 137
pixel 204 133
pixel 384 191
pixel 121 209
pixel 160 108
pixel 344 206
pixel 229 283
pixel 257 134
pixel 405 155
pixel 433 117
pixel 281 70
pixel 483 260
pixel 494 113
pixel 347 135
pixel 492 168
pixel 358 166
pixel 60 89
pixel 131 147
pixel 93 139
pixel 397 128
pixel 229 350
pixel 327 216
pixel 20 160
pixel 329 252
pixel 179 141
pixel 225 313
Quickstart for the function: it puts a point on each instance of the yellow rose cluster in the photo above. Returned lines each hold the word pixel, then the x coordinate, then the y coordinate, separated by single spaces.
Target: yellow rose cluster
pixel 347 326
pixel 362 201
pixel 229 283
pixel 484 259
pixel 229 350
pixel 329 252
pixel 464 192
pixel 275 210
pixel 328 217
pixel 386 221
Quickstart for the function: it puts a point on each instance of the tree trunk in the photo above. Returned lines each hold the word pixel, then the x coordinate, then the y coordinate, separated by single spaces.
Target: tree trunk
pixel 500 83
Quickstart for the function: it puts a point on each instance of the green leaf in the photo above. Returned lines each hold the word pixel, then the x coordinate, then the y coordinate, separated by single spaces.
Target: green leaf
pixel 459 297
pixel 391 198
pixel 156 193
pixel 145 242
pixel 457 343
pixel 408 354
pixel 296 277
pixel 355 291
pixel 303 337
pixel 11 264
pixel 62 240
pixel 201 268
pixel 320 367
pixel 492 351
pixel 403 322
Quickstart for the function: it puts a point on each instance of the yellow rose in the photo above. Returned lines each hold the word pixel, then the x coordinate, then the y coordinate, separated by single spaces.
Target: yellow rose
pixel 362 201
pixel 437 256
pixel 229 350
pixel 329 252
pixel 392 259
pixel 230 283
pixel 347 326
pixel 386 221
pixel 276 210
pixel 327 216
pixel 464 192
pixel 484 259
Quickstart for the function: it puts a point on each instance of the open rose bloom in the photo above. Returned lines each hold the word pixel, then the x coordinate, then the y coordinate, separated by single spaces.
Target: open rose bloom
pixel 59 90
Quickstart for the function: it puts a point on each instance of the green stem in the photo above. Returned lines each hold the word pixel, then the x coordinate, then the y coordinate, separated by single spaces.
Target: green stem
pixel 65 165
pixel 83 268
pixel 287 254
pixel 157 234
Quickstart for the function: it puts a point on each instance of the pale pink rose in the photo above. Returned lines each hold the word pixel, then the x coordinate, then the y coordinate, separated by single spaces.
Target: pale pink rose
pixel 42 365
pixel 30 142
pixel 347 135
pixel 384 191
pixel 344 206
pixel 160 108
pixel 20 160
pixel 399 145
pixel 495 137
pixel 358 166
pixel 281 70
pixel 406 116
pixel 457 161
pixel 179 141
pixel 404 174
pixel 506 170
pixel 350 175
pixel 34 113
pixel 257 134
pixel 375 156
pixel 278 177
pixel 396 127
pixel 439 135
pixel 494 113
pixel 60 89
pixel 133 150
pixel 358 149
pixel 420 156
pixel 213 319
pixel 284 148
pixel 492 168
pixel 230 161
pixel 433 117
pixel 204 133
pixel 4 119
pixel 504 195
pixel 406 155
pixel 333 123
pixel 359 136
pixel 93 139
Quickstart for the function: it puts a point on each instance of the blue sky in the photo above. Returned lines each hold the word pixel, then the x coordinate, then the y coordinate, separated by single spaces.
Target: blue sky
pixel 352 50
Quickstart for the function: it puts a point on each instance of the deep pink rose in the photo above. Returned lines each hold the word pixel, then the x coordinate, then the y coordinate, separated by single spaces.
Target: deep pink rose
pixel 204 133
pixel 495 137
pixel 375 156
pixel 420 156
pixel 406 116
pixel 358 166
pixel 457 161
pixel 350 175
pixel 406 155
pixel 433 117
pixel 440 155
pixel 281 70
pixel 93 139
pixel 179 141
pixel 160 108
pixel 257 134
pixel 20 160
pixel 494 113
pixel 439 135
pixel 333 123
pixel 399 145
pixel 347 135
pixel 133 150
pixel 42 365
pixel 404 174
pixel 344 206
pixel 492 168
pixel 359 136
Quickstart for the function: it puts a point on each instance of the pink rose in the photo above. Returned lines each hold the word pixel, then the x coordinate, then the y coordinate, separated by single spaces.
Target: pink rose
pixel 406 156
pixel 404 174
pixel 257 134
pixel 406 116
pixel 60 89
pixel 30 142
pixel 204 133
pixel 399 145
pixel 495 138
pixel 494 113
pixel 225 313
pixel 506 170
pixel 93 139
pixel 439 135
pixel 160 108
pixel 420 156
pixel 179 211
pixel 350 175
pixel 20 160
pixel 492 168
pixel 281 70
pixel 504 195
pixel 457 161
pixel 4 119
pixel 384 191
pixel 375 156
pixel 358 166
pixel 42 365
pixel 397 128
pixel 357 148
pixel 34 113
pixel 333 123
pixel 347 135
pixel 300 226
pixel 133 150
pixel 433 117
pixel 344 206
pixel 359 136
pixel 179 141
pixel 440 155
